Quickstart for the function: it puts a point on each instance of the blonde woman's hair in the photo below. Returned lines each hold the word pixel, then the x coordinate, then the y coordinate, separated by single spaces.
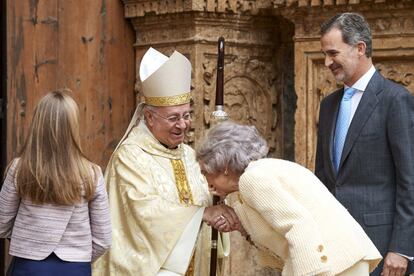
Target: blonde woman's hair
pixel 52 167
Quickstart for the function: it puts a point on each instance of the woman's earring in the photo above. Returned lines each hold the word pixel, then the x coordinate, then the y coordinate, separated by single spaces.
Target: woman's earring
pixel 226 172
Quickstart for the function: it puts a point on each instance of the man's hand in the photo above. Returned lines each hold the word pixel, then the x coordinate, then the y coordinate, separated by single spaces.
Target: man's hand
pixel 221 217
pixel 394 265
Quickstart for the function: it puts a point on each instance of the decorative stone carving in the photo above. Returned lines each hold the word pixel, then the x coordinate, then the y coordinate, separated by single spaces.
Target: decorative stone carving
pixel 297 4
pixel 137 8
pixel 250 95
pixel 398 18
pixel 325 85
pixel 399 71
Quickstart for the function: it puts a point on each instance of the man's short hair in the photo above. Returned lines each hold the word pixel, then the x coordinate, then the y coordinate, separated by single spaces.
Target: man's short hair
pixel 354 28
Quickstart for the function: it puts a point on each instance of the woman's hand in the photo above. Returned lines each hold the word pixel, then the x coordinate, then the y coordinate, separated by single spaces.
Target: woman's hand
pixel 221 217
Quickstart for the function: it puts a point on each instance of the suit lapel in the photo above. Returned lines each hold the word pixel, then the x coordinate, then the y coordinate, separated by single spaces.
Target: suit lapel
pixel 365 108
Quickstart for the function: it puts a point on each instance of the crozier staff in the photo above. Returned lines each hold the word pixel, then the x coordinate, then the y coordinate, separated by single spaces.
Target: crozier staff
pixel 218 115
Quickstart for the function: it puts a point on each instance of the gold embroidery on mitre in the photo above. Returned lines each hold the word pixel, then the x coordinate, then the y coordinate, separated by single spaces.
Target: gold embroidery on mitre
pixel 184 191
pixel 169 100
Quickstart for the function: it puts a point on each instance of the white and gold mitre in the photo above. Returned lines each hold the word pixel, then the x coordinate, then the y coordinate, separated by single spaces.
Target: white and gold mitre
pixel 165 81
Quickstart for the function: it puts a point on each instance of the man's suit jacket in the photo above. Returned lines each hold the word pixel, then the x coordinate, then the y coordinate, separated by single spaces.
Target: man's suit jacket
pixel 375 180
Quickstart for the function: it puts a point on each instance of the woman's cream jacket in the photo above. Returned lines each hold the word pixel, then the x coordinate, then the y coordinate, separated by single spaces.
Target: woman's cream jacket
pixel 297 224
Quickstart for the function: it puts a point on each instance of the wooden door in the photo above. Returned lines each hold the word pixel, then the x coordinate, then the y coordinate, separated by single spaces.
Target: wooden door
pixel 86 46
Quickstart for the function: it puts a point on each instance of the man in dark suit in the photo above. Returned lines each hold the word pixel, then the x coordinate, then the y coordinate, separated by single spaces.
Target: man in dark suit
pixel 365 151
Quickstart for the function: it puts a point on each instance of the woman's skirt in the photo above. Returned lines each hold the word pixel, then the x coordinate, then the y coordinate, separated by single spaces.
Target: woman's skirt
pixel 51 266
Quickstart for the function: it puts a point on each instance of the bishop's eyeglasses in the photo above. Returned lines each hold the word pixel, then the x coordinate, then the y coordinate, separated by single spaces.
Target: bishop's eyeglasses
pixel 174 118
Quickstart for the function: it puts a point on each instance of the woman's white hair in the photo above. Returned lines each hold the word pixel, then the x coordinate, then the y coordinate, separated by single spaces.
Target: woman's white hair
pixel 232 146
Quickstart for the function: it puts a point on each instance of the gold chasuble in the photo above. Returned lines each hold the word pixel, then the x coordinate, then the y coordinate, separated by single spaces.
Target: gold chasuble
pixel 155 194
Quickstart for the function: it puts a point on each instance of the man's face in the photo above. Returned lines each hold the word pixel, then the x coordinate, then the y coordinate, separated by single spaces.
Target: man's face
pixel 342 59
pixel 169 124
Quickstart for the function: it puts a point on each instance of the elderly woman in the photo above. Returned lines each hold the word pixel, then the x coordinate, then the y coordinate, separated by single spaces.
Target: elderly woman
pixel 285 211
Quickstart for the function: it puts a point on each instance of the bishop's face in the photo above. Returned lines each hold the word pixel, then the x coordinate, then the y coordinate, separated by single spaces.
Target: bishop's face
pixel 169 124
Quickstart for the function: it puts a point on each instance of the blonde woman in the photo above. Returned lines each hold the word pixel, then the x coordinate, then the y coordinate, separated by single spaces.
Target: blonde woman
pixel 53 203
pixel 285 211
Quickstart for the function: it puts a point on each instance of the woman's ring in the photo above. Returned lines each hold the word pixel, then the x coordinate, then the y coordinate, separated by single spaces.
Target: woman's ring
pixel 222 217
